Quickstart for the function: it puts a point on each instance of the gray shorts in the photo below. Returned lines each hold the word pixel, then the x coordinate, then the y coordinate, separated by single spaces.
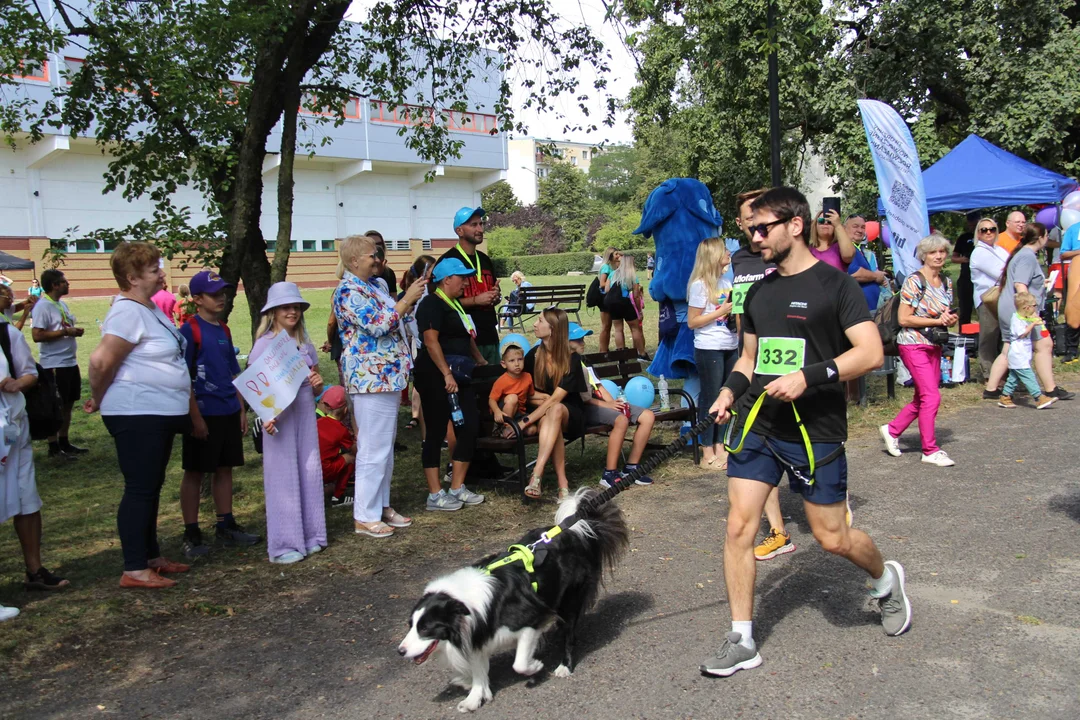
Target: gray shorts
pixel 597 415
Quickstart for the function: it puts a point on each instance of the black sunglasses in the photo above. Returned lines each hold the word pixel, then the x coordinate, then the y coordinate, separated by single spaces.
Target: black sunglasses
pixel 763 229
pixel 988 229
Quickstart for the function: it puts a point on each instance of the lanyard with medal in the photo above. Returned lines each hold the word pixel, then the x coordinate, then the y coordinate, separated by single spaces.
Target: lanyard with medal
pixel 65 319
pixel 467 321
pixel 779 356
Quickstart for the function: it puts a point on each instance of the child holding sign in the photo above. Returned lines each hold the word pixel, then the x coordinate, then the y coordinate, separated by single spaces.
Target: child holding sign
pixel 716 341
pixel 292 467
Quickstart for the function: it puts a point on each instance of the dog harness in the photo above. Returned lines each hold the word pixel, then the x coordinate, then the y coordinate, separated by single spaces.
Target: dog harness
pixel 524 554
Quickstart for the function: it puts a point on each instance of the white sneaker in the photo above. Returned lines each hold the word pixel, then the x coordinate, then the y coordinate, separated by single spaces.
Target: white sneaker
pixel 892 445
pixel 939 458
pixel 7 613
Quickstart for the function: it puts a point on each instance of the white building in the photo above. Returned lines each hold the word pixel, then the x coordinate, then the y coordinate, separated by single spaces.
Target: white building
pixel 530 159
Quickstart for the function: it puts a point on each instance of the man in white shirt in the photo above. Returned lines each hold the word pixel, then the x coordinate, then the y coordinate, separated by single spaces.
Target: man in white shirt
pixel 55 333
pixel 987 263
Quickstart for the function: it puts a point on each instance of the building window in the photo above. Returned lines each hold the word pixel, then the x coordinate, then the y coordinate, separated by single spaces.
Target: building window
pixel 573 160
pixel 309 245
pixel 328 245
pixel 398 244
pixel 584 154
pixel 71 66
pixel 86 246
pixel 33 70
pixel 426 244
pixel 271 245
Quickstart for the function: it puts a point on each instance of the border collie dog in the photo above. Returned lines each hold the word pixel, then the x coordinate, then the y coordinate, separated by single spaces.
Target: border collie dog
pixel 469 615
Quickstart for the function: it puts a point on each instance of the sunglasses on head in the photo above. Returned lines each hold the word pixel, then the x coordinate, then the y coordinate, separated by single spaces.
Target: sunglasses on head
pixel 763 229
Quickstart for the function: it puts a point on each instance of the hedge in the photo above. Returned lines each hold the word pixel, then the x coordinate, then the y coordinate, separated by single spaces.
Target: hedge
pixel 555 264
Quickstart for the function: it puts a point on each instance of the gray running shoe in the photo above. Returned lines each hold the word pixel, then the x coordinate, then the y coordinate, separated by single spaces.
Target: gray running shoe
pixel 467 496
pixel 895 607
pixel 730 658
pixel 444 501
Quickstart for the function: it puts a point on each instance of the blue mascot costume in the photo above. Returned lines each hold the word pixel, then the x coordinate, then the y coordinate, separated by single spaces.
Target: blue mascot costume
pixel 678 215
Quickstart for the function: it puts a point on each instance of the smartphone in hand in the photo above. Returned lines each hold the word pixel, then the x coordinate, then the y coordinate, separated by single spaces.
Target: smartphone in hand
pixel 830 203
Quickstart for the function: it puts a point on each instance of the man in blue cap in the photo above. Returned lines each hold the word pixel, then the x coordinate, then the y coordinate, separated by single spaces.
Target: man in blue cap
pixel 482 286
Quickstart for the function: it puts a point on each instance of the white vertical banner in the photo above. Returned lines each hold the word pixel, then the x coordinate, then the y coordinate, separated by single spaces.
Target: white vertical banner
pixel 899 179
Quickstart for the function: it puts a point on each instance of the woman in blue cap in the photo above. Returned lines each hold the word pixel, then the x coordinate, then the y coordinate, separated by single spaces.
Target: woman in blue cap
pixel 443 369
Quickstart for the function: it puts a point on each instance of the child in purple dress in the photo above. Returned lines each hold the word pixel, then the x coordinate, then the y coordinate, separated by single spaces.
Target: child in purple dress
pixel 292 467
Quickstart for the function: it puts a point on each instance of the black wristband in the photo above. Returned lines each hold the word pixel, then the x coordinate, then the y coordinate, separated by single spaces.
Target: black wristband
pixel 737 383
pixel 821 373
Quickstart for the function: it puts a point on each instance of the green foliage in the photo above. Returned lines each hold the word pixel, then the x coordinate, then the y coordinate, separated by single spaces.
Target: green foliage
pixel 507 241
pixel 556 264
pixel 619 232
pixel 500 198
pixel 611 174
pixel 564 194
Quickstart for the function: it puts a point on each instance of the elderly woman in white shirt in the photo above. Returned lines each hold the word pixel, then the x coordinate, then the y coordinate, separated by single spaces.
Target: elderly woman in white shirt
pixel 140 382
pixel 987 263
pixel 375 365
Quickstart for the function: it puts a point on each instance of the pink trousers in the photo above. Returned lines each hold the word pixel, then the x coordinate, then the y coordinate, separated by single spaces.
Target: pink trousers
pixel 924 364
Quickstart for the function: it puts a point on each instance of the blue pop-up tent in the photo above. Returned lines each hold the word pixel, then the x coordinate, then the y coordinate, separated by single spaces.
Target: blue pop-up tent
pixel 978 174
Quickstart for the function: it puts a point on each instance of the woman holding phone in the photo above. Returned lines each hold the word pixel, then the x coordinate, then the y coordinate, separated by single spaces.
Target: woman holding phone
pixel 829 241
pixel 716 340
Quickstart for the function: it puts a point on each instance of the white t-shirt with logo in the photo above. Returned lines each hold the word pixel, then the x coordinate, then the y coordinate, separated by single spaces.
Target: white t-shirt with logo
pixel 153 379
pixel 1020 348
pixel 60 352
pixel 715 335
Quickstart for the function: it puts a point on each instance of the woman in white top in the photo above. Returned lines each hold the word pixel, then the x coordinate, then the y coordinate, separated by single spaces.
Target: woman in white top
pixel 140 382
pixel 987 263
pixel 716 343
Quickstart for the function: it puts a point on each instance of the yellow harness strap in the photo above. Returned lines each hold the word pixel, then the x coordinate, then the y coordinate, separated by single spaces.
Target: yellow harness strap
pixel 752 416
pixel 524 555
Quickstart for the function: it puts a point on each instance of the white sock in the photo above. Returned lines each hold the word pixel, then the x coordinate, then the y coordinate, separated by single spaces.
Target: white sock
pixel 435 496
pixel 883 585
pixel 745 628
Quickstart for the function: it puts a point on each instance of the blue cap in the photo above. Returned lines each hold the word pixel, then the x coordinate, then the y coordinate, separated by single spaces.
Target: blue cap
pixel 577 332
pixel 448 267
pixel 466 214
pixel 208 282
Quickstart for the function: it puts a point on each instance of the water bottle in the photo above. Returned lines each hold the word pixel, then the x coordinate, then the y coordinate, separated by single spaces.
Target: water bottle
pixel 455 410
pixel 625 404
pixel 665 403
pixel 946 370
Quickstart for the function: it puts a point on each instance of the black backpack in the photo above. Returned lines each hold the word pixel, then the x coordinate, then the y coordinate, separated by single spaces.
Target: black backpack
pixel 43 404
pixel 594 297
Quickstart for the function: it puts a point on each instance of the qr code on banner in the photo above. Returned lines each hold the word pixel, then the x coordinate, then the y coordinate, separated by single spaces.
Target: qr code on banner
pixel 901 195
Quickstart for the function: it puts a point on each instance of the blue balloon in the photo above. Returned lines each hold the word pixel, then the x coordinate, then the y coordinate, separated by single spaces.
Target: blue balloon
pixel 611 387
pixel 639 391
pixel 515 339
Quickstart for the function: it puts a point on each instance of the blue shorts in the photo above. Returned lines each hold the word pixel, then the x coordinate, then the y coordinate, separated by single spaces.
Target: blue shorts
pixel 757 461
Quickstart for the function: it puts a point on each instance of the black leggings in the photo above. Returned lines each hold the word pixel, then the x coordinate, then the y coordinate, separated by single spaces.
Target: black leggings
pixel 143 447
pixel 433 399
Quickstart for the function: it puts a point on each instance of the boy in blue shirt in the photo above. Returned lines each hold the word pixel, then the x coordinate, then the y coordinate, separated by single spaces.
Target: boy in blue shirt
pixel 216 442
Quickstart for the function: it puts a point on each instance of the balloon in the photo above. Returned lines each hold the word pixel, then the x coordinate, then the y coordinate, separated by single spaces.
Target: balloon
pixel 1048 216
pixel 515 339
pixel 1072 201
pixel 639 391
pixel 611 387
pixel 873 230
pixel 1069 217
pixel 886 235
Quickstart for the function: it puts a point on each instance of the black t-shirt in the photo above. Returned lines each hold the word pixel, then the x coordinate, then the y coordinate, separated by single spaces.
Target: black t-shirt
pixel 574 382
pixel 965 245
pixel 816 305
pixel 749 266
pixel 434 314
pixel 486 319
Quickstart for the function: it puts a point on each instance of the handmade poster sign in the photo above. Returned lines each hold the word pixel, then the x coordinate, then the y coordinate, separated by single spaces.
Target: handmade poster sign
pixel 273 379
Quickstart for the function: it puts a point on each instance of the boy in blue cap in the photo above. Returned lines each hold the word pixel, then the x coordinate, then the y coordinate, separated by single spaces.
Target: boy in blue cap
pixel 216 442
pixel 482 285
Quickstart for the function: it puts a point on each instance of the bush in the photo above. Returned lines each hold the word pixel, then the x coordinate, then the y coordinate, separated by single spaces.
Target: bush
pixel 557 264
pixel 504 242
pixel 619 232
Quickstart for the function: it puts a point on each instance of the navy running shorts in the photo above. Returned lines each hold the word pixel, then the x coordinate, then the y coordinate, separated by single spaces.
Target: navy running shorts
pixel 758 461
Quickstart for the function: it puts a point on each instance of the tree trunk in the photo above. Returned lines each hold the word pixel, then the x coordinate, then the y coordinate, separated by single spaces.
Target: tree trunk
pixel 280 267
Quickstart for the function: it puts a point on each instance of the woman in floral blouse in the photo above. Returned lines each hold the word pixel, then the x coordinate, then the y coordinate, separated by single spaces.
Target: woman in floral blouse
pixel 375 365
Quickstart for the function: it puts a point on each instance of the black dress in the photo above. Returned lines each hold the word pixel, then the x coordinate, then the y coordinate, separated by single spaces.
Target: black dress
pixel 573 383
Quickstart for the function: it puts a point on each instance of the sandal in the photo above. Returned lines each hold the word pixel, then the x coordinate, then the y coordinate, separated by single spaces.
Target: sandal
pixel 563 494
pixel 412 424
pixel 395 519
pixel 44 580
pixel 533 488
pixel 377 529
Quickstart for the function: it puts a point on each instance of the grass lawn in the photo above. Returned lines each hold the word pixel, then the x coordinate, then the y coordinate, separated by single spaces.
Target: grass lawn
pixel 80 540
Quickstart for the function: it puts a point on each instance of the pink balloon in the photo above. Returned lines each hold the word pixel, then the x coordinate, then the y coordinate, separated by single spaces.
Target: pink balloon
pixel 1048 216
pixel 873 230
pixel 886 234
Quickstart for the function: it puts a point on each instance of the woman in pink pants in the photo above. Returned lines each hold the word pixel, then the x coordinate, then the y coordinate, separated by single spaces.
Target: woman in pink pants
pixel 925 311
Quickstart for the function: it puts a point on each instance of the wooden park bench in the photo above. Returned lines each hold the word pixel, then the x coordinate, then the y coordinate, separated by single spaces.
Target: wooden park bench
pixel 618 366
pixel 533 300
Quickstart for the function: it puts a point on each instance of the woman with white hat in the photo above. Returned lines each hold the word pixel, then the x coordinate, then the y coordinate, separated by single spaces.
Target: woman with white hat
pixel 292 467
pixel 375 365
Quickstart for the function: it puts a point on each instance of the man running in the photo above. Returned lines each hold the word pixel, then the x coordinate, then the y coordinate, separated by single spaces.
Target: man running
pixel 806 329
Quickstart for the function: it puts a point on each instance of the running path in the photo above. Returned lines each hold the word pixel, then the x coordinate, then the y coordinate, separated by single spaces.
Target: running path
pixel 992 555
